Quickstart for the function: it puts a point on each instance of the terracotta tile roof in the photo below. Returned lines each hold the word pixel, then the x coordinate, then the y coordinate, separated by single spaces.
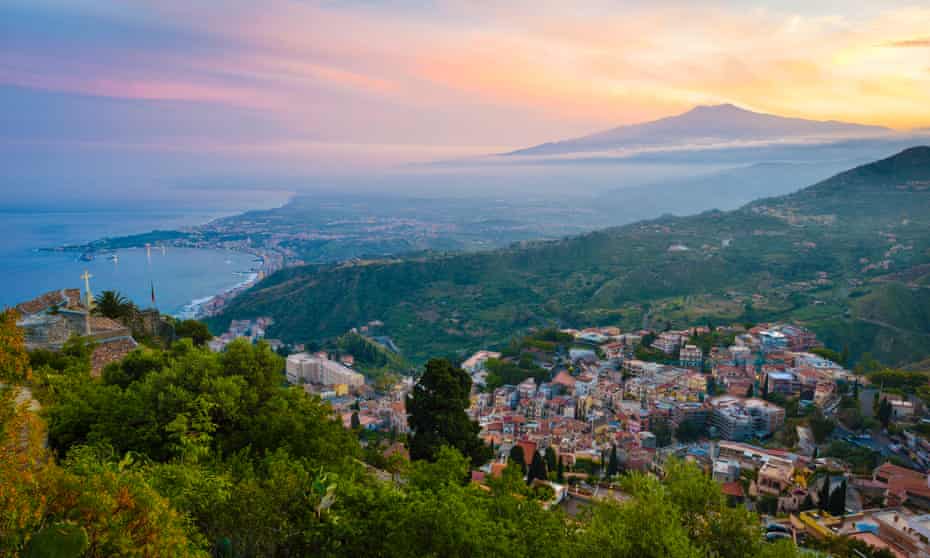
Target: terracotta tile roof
pixel 102 323
pixel 42 302
pixel 529 448
pixel 734 488
pixel 110 351
pixel 396 448
pixel 903 481
pixel 565 379
pixel 890 470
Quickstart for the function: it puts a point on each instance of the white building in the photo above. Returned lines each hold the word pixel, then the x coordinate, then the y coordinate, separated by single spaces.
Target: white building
pixel 305 368
pixel 476 362
pixel 667 342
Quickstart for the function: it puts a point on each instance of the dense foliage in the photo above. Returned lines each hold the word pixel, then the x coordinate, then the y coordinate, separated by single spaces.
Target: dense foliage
pixel 373 360
pixel 508 372
pixel 194 330
pixel 14 363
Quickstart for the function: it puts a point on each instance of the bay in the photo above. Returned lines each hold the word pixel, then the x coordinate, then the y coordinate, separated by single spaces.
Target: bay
pixel 179 275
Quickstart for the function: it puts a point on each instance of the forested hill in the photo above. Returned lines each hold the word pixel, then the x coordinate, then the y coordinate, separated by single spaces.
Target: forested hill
pixel 830 256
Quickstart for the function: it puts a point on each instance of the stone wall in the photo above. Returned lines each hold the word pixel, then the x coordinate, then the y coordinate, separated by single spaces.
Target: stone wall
pixel 109 351
pixel 47 332
pixel 149 323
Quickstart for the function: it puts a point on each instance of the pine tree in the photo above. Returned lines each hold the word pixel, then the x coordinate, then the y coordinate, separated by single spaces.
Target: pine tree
pixel 356 423
pixel 537 468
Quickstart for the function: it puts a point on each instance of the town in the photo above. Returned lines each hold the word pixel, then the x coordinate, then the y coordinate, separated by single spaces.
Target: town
pixel 820 450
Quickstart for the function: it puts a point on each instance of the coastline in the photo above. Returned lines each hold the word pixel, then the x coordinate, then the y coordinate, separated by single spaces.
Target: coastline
pixel 210 305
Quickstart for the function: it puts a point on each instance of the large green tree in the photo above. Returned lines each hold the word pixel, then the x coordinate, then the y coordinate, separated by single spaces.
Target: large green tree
pixel 194 330
pixel 436 414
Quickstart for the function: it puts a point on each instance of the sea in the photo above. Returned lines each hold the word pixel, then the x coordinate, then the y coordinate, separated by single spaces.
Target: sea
pixel 181 278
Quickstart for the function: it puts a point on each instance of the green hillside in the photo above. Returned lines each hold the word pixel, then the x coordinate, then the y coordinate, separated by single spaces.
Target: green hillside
pixel 835 255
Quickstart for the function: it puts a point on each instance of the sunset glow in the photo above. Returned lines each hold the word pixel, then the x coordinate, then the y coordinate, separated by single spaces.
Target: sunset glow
pixel 469 75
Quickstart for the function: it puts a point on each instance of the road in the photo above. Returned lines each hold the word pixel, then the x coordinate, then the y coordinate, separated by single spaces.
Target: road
pixel 878 441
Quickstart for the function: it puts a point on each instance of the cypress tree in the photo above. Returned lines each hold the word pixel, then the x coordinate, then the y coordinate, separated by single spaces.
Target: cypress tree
pixel 356 423
pixel 613 466
pixel 550 458
pixel 823 497
pixel 838 500
pixel 808 503
pixel 560 472
pixel 885 411
pixel 516 457
pixel 537 468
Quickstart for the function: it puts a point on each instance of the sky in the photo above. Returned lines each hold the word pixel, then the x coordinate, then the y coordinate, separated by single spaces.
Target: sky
pixel 99 94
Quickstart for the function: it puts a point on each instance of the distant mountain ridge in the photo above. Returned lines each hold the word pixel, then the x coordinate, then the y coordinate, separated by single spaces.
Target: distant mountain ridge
pixel 704 124
pixel 908 169
pixel 839 256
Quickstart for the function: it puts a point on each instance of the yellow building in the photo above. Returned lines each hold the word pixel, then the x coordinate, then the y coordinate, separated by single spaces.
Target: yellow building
pixel 818 523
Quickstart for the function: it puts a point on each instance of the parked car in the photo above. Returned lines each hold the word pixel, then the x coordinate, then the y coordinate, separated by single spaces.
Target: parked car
pixel 777 528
